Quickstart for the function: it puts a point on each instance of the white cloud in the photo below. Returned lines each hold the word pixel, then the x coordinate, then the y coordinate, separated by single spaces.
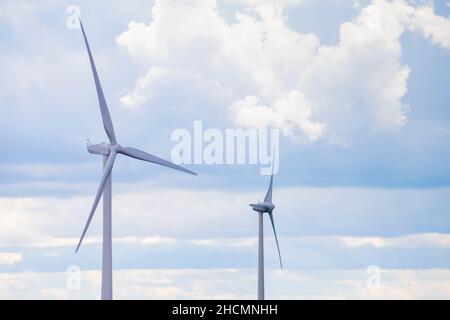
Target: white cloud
pixel 290 112
pixel 148 240
pixel 421 240
pixel 244 58
pixel 231 284
pixel 9 258
pixel 432 26
pixel 360 82
pixel 282 3
pixel 242 242
pixel 138 97
pixel 146 214
pixel 280 77
pixel 407 241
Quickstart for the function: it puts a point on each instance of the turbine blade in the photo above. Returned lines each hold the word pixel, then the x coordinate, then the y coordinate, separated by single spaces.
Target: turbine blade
pixel 268 197
pixel 106 174
pixel 107 123
pixel 144 156
pixel 276 238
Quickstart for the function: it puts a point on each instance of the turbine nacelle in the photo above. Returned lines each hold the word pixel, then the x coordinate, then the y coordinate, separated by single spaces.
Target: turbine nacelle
pixel 101 148
pixel 263 207
pixel 104 148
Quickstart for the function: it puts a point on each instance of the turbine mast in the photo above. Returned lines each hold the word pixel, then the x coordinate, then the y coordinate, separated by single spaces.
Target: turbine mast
pixel 107 292
pixel 261 257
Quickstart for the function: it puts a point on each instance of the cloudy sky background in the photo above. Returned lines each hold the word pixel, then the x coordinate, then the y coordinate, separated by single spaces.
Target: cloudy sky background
pixel 359 90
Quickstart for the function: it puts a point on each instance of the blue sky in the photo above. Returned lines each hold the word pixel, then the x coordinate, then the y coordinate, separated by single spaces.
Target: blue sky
pixel 357 88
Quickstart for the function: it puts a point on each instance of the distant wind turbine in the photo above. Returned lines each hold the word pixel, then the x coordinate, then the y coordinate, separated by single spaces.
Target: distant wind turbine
pixel 265 207
pixel 109 152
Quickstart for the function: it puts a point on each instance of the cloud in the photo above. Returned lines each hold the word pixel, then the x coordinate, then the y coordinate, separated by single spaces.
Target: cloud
pixel 53 171
pixel 363 222
pixel 150 214
pixel 432 26
pixel 225 242
pixel 278 77
pixel 231 284
pixel 57 242
pixel 8 258
pixel 407 241
pixel 230 56
pixel 159 227
pixel 20 14
pixel 363 76
pixel 138 97
pixel 422 240
pixel 277 3
pixel 291 113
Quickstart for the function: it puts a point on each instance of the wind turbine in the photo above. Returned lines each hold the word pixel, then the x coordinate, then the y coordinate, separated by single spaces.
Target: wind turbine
pixel 265 207
pixel 109 153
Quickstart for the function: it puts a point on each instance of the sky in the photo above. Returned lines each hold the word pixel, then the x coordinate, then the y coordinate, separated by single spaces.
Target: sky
pixel 356 88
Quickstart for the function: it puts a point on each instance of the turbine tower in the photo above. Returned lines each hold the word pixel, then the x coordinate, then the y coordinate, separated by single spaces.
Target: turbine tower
pixel 109 153
pixel 265 207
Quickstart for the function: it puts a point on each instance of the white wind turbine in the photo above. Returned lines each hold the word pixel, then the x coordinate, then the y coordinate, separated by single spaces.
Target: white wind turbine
pixel 265 207
pixel 109 152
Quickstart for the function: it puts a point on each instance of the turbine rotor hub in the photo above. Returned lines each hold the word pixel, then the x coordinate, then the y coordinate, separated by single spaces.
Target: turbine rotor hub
pixel 115 148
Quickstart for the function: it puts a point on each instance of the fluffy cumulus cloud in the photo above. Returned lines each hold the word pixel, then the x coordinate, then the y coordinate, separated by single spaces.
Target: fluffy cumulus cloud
pixel 272 75
pixel 434 27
